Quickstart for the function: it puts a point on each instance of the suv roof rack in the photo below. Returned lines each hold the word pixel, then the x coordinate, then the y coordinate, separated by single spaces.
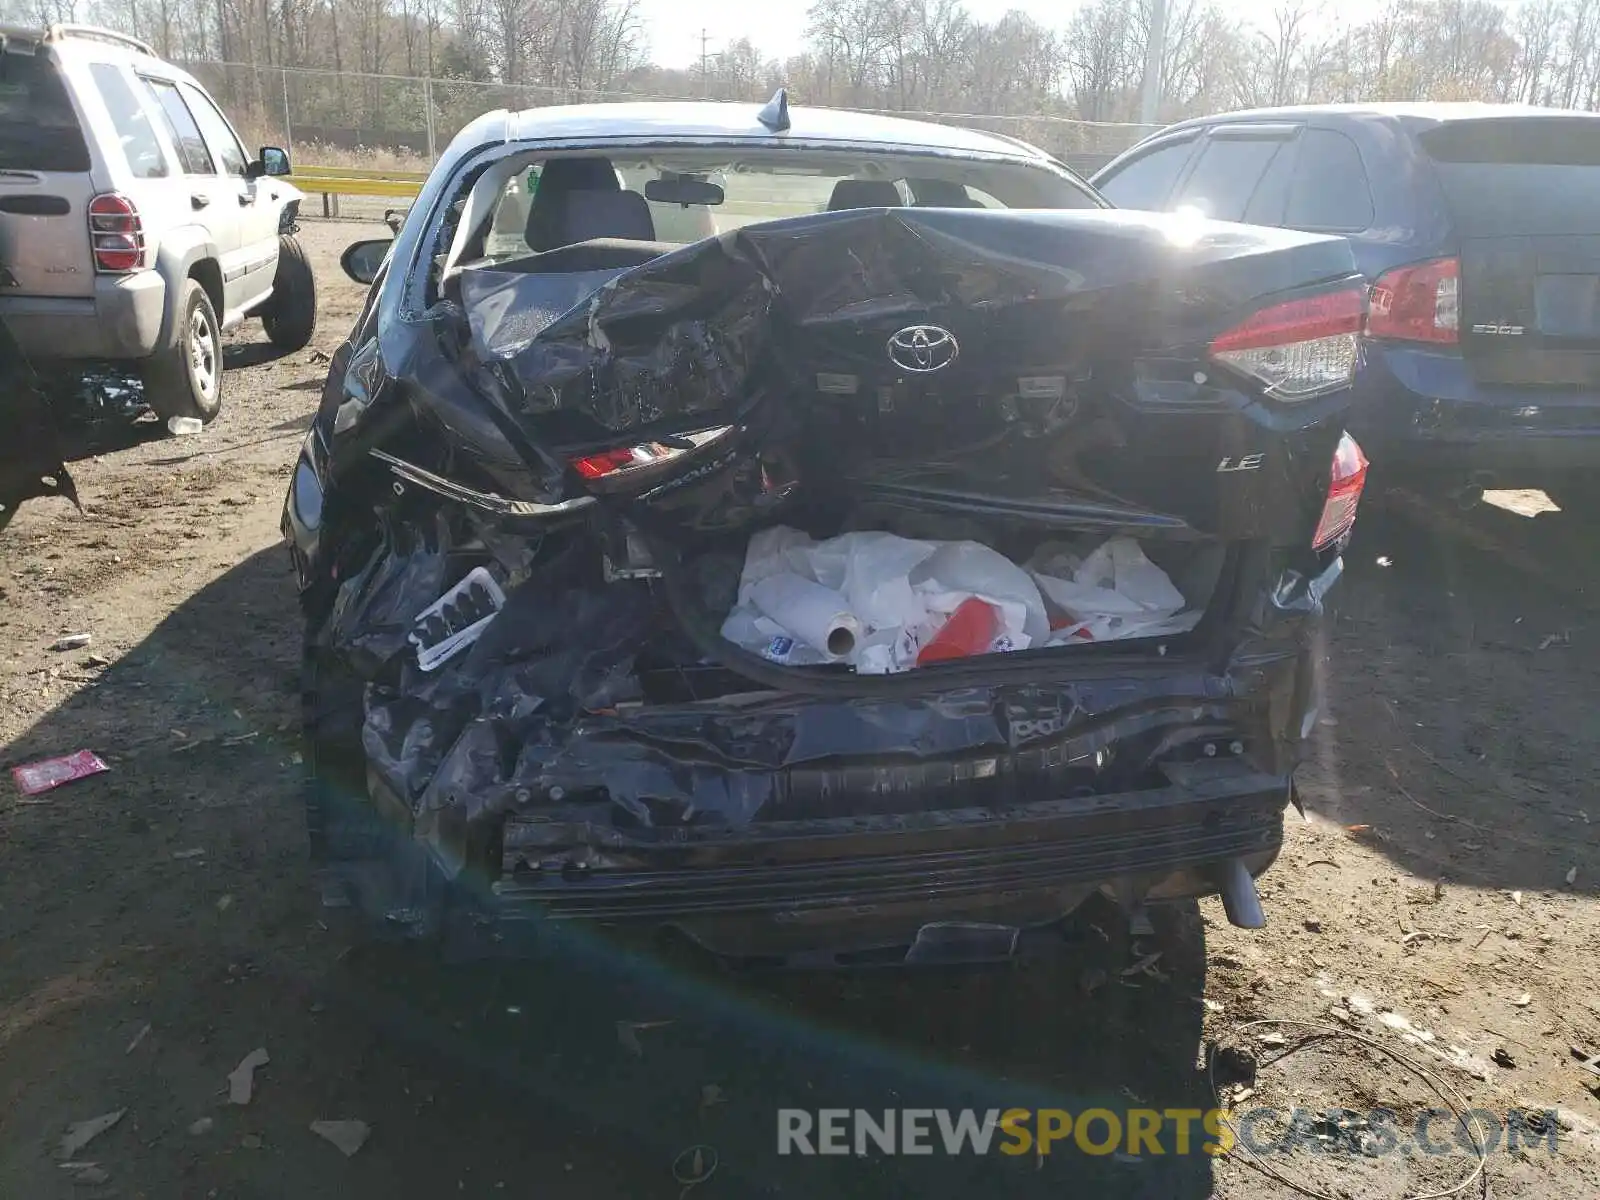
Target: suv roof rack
pixel 61 32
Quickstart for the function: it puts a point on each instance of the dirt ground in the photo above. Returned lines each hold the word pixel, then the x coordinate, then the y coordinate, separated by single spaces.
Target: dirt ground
pixel 157 924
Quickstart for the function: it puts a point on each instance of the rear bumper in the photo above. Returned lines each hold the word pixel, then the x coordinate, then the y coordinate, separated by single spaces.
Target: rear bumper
pixel 1420 411
pixel 859 884
pixel 121 320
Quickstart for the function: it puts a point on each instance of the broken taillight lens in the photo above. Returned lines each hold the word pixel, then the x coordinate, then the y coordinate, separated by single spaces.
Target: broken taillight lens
pixel 1348 477
pixel 627 461
pixel 1300 348
pixel 1419 303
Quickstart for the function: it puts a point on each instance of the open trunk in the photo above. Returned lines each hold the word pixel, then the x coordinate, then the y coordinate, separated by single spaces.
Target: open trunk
pixel 1112 432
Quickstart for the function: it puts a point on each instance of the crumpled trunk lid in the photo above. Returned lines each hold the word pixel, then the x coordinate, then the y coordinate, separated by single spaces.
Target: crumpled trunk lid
pixel 1050 362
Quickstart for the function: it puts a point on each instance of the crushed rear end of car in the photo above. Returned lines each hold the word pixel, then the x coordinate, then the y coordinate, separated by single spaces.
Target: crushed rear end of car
pixel 541 545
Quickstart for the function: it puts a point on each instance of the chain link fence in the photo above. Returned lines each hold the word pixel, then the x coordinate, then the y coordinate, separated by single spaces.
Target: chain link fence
pixel 356 119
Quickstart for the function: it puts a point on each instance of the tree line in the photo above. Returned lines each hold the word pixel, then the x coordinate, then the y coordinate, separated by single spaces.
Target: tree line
pixel 918 55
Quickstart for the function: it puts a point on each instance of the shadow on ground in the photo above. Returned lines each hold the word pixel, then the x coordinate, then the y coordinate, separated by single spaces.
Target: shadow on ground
pixel 584 1071
pixel 1458 722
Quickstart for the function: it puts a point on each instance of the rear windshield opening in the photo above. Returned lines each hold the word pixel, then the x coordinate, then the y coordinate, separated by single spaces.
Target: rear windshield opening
pixel 39 130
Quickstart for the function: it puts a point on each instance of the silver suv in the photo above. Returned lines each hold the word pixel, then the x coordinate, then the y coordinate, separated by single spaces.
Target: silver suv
pixel 133 225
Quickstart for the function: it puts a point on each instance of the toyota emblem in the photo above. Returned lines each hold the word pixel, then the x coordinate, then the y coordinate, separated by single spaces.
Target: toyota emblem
pixel 923 348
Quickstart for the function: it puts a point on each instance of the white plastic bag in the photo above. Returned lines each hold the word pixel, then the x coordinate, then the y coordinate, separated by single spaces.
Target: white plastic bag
pixel 958 571
pixel 1115 592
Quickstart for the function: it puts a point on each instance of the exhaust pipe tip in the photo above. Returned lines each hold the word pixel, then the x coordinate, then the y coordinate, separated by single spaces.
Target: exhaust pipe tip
pixel 1240 900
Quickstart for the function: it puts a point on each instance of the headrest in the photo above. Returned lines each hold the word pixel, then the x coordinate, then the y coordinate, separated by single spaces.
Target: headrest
pixel 587 174
pixel 610 214
pixel 864 193
pixel 558 179
pixel 940 193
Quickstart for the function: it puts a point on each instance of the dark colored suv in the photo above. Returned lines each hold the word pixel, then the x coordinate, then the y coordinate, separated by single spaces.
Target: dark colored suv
pixel 1478 227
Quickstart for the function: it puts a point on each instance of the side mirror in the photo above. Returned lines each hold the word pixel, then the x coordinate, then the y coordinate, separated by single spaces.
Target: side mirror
pixel 362 260
pixel 273 161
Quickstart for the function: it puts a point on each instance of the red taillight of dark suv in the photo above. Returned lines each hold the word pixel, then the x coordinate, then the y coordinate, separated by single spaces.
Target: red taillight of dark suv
pixel 1418 303
pixel 116 233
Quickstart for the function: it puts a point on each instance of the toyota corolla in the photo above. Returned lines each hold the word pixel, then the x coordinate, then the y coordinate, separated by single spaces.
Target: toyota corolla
pixel 818 533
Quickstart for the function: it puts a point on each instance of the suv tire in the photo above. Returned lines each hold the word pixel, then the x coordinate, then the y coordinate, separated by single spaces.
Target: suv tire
pixel 290 317
pixel 185 379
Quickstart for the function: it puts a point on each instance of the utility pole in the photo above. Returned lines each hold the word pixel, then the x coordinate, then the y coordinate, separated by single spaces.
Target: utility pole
pixel 1150 92
pixel 705 59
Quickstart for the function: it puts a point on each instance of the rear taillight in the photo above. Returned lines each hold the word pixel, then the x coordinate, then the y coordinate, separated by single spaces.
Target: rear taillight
pixel 1419 303
pixel 1348 477
pixel 117 234
pixel 1298 349
pixel 630 462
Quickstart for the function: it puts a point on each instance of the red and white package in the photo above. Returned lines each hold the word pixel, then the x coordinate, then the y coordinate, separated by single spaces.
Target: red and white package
pixel 33 778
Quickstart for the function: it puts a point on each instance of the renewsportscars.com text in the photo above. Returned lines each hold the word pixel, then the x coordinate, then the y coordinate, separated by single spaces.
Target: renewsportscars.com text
pixel 1150 1131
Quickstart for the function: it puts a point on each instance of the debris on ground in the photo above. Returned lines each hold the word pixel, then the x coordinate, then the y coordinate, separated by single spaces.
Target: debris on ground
pixel 72 641
pixel 50 773
pixel 191 852
pixel 711 1095
pixel 86 1172
pixel 202 1126
pixel 694 1166
pixel 628 1034
pixel 1502 1058
pixel 80 1133
pixel 1589 1062
pixel 348 1136
pixel 1572 876
pixel 138 1038
pixel 242 1079
pixel 1146 966
pixel 1523 1000
pixel 251 1141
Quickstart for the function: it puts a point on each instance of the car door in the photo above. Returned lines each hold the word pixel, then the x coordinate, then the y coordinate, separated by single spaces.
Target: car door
pixel 213 198
pixel 1145 179
pixel 256 198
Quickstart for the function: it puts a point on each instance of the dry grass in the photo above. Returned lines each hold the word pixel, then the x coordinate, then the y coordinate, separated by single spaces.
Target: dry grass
pixel 372 158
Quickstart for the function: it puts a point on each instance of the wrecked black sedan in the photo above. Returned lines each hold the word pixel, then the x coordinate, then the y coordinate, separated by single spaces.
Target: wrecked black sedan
pixel 820 534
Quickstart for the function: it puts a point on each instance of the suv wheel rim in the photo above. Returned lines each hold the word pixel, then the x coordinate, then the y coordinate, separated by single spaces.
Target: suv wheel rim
pixel 202 354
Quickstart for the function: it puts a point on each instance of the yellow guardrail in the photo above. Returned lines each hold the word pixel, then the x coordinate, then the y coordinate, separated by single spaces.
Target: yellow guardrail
pixel 333 182
pixel 361 173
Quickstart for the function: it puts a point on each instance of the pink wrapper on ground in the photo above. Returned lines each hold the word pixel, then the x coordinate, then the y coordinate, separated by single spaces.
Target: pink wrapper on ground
pixel 33 778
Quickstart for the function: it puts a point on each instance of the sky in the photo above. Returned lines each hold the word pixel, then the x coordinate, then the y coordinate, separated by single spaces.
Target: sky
pixel 778 29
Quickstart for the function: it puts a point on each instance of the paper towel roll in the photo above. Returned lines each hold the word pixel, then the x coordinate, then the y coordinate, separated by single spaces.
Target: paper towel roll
pixel 814 614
